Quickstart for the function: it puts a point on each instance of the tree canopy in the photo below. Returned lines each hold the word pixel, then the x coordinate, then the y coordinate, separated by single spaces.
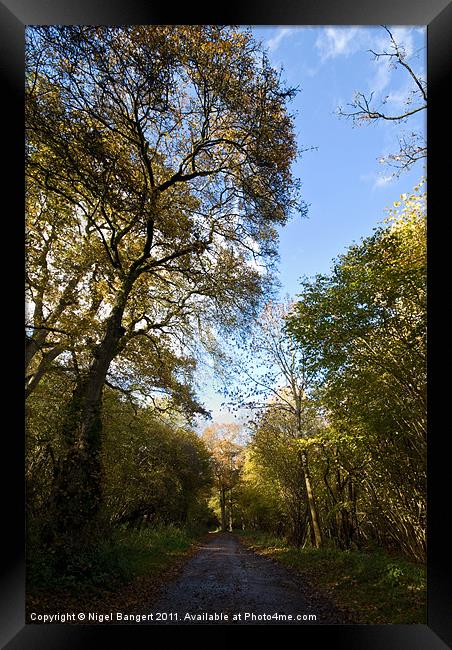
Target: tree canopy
pixel 336 382
pixel 159 158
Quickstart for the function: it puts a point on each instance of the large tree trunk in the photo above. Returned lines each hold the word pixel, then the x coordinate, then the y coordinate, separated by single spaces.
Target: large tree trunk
pixel 76 493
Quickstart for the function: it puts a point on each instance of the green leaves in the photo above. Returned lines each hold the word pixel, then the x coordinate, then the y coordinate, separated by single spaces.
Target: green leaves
pixel 366 323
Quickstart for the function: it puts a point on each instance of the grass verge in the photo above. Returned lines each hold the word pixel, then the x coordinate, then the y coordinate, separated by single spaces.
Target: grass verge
pixel 126 574
pixel 374 587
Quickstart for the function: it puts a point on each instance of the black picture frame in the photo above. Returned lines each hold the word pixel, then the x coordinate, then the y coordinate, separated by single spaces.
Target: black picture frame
pixel 14 16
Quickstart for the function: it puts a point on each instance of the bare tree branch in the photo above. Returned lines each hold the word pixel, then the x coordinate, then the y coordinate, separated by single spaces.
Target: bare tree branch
pixel 362 110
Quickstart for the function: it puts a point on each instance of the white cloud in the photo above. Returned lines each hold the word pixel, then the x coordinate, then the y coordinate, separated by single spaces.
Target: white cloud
pixel 382 180
pixel 381 77
pixel 343 41
pixel 377 180
pixel 333 42
pixel 337 41
pixel 274 42
pixel 311 72
pixel 403 36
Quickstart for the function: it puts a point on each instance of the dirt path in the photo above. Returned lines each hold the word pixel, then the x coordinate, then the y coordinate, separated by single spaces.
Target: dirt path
pixel 226 579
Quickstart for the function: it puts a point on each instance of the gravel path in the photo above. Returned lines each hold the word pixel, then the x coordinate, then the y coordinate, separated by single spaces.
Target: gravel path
pixel 224 579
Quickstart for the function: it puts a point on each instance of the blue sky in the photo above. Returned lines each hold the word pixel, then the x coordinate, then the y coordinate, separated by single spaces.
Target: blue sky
pixel 346 188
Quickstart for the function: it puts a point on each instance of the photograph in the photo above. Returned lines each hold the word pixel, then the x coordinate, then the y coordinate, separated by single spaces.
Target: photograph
pixel 226 275
pixel 225 324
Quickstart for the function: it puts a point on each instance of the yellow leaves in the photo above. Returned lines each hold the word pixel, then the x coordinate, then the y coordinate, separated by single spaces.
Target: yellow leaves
pixel 307 443
pixel 408 214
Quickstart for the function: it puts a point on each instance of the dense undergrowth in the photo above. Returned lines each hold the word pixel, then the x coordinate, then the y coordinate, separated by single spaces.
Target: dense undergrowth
pixel 374 586
pixel 125 570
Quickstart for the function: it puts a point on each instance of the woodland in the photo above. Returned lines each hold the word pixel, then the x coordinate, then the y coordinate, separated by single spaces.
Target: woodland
pixel 158 174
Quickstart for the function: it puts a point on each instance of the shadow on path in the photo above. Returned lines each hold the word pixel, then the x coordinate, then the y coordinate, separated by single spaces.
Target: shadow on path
pixel 228 584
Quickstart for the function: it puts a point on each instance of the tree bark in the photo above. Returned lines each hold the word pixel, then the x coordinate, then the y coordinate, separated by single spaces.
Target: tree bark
pixel 223 509
pixel 312 505
pixel 34 343
pixel 44 364
pixel 315 526
pixel 76 493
